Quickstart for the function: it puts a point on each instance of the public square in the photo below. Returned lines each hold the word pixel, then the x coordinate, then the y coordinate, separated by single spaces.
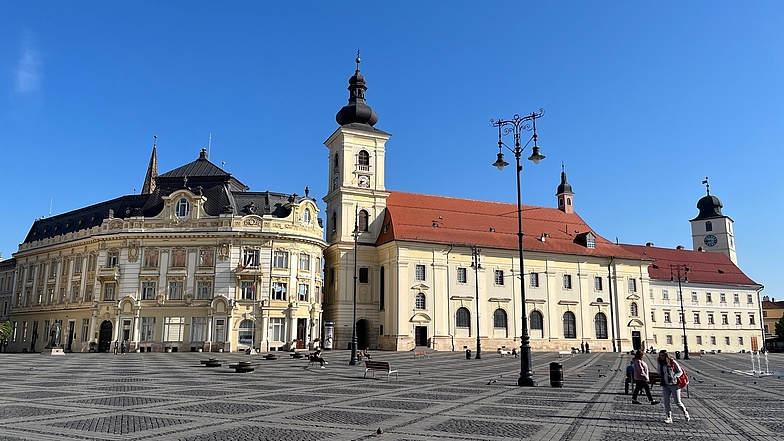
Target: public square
pixel 172 396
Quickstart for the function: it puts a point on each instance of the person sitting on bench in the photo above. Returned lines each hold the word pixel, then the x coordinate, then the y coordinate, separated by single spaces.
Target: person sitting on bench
pixel 366 354
pixel 317 357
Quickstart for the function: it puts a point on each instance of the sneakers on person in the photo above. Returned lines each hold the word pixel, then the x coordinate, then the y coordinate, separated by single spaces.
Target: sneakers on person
pixel 688 417
pixel 654 402
pixel 322 367
pixel 668 420
pixel 635 402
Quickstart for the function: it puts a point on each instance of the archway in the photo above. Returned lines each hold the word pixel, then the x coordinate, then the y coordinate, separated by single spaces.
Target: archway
pixel 105 336
pixel 363 334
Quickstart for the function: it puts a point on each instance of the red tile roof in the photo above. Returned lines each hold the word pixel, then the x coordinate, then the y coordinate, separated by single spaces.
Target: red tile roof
pixel 772 304
pixel 704 267
pixel 453 221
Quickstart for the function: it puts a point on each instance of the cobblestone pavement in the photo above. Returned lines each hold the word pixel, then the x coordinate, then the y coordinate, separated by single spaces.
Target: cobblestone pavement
pixel 171 396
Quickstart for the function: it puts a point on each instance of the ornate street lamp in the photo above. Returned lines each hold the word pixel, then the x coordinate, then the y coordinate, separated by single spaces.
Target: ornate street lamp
pixel 680 272
pixel 476 266
pixel 354 359
pixel 516 126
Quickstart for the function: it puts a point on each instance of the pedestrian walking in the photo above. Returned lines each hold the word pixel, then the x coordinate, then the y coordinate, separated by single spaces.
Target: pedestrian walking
pixel 116 345
pixel 670 370
pixel 124 346
pixel 641 378
pixel 629 377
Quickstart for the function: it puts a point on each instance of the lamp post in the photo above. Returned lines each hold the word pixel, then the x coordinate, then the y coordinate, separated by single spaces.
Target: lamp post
pixel 354 359
pixel 680 272
pixel 515 126
pixel 475 264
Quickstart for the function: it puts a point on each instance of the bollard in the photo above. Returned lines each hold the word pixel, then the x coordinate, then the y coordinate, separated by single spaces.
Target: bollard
pixel 556 374
pixel 468 354
pixel 677 355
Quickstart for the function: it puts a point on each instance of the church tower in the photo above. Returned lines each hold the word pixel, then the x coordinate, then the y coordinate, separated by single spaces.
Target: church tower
pixel 565 194
pixel 355 201
pixel 711 230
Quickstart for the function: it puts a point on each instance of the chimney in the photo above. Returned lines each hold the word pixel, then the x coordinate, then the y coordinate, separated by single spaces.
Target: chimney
pixel 649 244
pixel 679 247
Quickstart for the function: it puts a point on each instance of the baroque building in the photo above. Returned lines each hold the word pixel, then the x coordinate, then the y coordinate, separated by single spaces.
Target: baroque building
pixel 438 271
pixel 196 262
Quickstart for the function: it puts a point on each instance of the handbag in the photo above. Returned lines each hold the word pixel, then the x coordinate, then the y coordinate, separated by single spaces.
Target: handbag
pixel 683 379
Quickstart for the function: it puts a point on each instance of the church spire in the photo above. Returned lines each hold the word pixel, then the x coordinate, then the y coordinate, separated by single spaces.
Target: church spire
pixel 152 169
pixel 356 111
pixel 565 194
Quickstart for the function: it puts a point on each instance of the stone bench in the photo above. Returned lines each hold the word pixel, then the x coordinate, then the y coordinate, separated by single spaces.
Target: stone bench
pixel 212 362
pixel 242 367
pixel 421 354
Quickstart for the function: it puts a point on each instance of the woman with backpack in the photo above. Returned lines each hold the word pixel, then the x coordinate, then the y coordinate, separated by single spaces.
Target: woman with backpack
pixel 670 371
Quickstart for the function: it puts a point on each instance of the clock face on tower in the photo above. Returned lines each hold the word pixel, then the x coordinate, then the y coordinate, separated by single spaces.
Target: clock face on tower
pixel 364 181
pixel 710 240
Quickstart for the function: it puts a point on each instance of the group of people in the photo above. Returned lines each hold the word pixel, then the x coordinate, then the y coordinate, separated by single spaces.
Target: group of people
pixel 121 346
pixel 669 370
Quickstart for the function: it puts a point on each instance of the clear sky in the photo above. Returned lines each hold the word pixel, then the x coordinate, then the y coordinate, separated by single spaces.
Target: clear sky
pixel 643 100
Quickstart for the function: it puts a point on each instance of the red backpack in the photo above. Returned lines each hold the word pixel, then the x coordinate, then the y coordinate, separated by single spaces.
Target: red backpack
pixel 683 380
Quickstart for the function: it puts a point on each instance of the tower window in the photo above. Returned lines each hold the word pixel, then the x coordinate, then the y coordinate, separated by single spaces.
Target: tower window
pixel 183 208
pixel 363 158
pixel 708 226
pixel 362 222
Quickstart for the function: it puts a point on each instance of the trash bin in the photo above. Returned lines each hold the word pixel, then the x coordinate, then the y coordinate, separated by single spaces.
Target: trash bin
pixel 468 354
pixel 677 355
pixel 556 374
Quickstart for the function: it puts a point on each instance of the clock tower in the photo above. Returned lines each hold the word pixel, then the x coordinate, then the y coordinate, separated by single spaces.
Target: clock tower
pixel 711 231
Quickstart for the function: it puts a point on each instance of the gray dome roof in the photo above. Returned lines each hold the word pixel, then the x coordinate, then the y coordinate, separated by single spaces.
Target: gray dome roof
pixel 709 206
pixel 356 111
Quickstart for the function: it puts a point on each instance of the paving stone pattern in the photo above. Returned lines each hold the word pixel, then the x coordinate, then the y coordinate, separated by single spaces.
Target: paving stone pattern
pixel 171 396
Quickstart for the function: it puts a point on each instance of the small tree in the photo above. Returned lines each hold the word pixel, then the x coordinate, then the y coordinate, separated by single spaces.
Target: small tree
pixel 5 330
pixel 780 327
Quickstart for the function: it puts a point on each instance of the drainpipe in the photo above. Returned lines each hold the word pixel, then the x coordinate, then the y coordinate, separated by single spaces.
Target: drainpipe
pixel 449 315
pixel 609 288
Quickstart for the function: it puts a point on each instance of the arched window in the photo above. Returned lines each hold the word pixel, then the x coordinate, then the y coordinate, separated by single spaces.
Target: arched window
pixel 601 325
pixel 334 225
pixel 463 318
pixel 363 158
pixel 247 333
pixel 499 319
pixel 362 222
pixel 537 321
pixel 420 301
pixel 183 208
pixel 306 216
pixel 708 226
pixel 633 309
pixel 570 325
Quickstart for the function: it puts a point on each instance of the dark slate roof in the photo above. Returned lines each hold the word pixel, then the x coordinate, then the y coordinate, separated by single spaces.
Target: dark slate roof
pixel 223 193
pixel 704 267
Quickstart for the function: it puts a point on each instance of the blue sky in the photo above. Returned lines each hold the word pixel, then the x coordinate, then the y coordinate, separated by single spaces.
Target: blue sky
pixel 643 100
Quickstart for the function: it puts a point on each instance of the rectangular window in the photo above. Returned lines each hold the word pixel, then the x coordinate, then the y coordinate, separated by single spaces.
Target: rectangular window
pixel 278 329
pixel 680 317
pixel 203 290
pixel 66 265
pixel 172 328
pixel 176 290
pixel 303 292
pixel 207 257
pixel 696 318
pixel 669 340
pixel 665 295
pixel 198 329
pixel 708 298
pixel 148 329
pixel 220 330
pixel 77 265
pixel 534 280
pixel 53 269
pixel 725 320
pixel 667 318
pixel 632 285
pixel 250 258
pixel 420 272
pixel 304 262
pixel 279 290
pixel 461 275
pixel 694 296
pixel 148 290
pixel 749 299
pixel 74 293
pixel 280 259
pixel 247 290
pixel 751 319
pixel 713 340
pixel 178 256
pixel 151 257
pixel 111 260
pixel 727 341
pixel 499 277
pixel 88 293
pixel 699 340
pixel 738 320
pixel 567 281
pixel 85 329
pixel 653 315
pixel 736 299
pixel 740 341
pixel 597 283
pixel 364 275
pixel 722 297
pixel 710 319
pixel 108 291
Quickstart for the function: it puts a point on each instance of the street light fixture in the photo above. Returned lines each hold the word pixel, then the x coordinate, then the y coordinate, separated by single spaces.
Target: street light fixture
pixel 516 126
pixel 476 266
pixel 354 358
pixel 680 272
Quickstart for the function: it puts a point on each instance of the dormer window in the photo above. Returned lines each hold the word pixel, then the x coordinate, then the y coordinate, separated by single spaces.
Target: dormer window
pixel 306 216
pixel 590 241
pixel 183 208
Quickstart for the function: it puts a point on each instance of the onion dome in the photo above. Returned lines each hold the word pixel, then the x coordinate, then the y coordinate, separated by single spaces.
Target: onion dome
pixel 564 187
pixel 709 206
pixel 356 111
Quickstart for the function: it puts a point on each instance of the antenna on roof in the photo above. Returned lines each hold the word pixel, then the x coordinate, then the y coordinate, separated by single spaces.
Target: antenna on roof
pixel 209 145
pixel 50 207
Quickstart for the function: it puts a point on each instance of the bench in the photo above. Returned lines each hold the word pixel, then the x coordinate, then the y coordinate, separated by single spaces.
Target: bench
pixel 562 354
pixel 243 366
pixel 381 366
pixel 421 354
pixel 212 362
pixel 654 378
pixel 270 357
pixel 297 355
pixel 503 352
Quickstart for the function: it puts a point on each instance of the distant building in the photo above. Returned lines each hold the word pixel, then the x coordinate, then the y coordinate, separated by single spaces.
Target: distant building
pixel 772 312
pixel 195 262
